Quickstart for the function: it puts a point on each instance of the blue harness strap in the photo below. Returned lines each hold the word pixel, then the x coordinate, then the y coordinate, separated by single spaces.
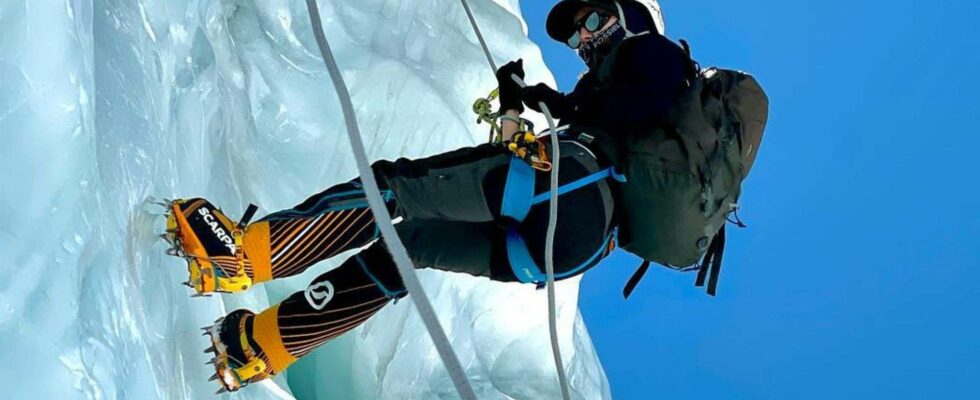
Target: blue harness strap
pixel 518 190
pixel 393 294
pixel 528 271
pixel 517 202
pixel 580 183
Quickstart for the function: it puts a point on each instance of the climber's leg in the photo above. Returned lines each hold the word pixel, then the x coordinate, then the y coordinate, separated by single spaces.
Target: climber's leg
pixel 328 223
pixel 464 185
pixel 345 297
pixel 282 244
pixel 250 347
pixel 476 249
pixel 461 185
pixel 331 305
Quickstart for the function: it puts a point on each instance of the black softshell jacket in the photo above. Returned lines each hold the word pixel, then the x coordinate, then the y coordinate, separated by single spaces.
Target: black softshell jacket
pixel 646 74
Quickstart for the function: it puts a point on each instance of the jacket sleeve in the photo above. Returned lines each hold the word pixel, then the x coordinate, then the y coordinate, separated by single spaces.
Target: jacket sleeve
pixel 650 71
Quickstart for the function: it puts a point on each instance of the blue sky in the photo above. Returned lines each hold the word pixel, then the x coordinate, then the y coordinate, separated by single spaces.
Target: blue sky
pixel 858 276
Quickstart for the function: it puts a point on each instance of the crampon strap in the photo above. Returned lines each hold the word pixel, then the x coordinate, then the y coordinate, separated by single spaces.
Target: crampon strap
pixel 249 213
pixel 239 235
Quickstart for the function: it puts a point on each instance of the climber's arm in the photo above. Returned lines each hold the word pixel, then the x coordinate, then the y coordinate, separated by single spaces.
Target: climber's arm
pixel 510 97
pixel 508 127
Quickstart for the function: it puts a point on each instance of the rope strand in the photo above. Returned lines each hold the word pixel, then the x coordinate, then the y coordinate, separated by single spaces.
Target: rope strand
pixel 479 36
pixel 377 204
pixel 552 215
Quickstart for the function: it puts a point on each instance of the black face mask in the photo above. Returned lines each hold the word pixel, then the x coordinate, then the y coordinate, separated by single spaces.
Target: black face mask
pixel 595 51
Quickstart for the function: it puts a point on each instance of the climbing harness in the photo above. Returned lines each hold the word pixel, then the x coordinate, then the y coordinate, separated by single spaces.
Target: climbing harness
pixel 377 205
pixel 552 214
pixel 517 202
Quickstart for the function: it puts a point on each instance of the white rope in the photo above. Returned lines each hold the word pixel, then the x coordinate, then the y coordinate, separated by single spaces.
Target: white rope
pixel 549 246
pixel 395 246
pixel 549 250
pixel 479 36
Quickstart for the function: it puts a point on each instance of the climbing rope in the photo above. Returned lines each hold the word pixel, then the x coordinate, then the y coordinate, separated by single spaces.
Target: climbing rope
pixel 377 205
pixel 479 36
pixel 549 250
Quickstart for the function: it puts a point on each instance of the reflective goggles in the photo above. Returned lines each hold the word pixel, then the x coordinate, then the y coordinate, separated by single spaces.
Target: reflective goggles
pixel 592 22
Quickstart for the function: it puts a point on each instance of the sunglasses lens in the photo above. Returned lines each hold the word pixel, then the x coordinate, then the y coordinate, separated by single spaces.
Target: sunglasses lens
pixel 592 22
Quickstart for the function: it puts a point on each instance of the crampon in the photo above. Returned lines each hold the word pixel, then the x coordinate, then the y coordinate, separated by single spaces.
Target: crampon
pixel 237 360
pixel 210 243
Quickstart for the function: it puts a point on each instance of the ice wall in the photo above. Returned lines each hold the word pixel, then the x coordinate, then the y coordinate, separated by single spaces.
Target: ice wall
pixel 106 104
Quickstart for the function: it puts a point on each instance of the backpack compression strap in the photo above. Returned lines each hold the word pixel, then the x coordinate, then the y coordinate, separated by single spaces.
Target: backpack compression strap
pixel 712 263
pixel 635 279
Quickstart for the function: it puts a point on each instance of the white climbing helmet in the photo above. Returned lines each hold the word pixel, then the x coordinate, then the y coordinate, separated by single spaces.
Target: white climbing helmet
pixel 559 23
pixel 653 7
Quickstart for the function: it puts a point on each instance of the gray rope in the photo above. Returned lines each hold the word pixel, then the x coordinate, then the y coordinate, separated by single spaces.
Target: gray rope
pixel 549 252
pixel 395 246
pixel 552 215
pixel 549 246
pixel 479 36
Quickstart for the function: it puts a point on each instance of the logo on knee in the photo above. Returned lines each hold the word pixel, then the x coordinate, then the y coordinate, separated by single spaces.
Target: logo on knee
pixel 319 294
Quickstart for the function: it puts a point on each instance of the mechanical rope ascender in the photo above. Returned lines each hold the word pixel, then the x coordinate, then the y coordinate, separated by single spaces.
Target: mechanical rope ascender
pixel 524 144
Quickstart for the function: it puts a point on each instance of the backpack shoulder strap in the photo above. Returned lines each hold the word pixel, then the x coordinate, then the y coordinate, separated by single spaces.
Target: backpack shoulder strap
pixel 694 68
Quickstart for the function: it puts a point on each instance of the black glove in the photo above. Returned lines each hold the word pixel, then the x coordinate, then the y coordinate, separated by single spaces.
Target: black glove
pixel 510 91
pixel 557 103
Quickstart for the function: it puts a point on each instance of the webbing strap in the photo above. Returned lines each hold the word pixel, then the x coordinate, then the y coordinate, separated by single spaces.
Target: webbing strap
pixel 528 271
pixel 247 217
pixel 391 294
pixel 380 210
pixel 712 263
pixel 518 190
pixel 635 279
pixel 580 183
pixel 524 267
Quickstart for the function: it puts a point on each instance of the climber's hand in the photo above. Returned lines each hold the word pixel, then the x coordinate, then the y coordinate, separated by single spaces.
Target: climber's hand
pixel 557 103
pixel 510 91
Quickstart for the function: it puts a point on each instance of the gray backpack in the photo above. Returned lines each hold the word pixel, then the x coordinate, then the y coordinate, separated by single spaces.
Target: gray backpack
pixel 685 176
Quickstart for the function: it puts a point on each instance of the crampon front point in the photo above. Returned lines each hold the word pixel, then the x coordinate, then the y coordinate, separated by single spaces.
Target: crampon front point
pixel 210 243
pixel 235 361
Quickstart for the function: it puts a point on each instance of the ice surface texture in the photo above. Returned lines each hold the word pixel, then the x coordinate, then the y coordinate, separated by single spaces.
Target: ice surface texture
pixel 108 103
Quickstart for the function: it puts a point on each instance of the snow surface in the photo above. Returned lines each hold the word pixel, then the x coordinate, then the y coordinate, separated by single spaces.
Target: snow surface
pixel 108 104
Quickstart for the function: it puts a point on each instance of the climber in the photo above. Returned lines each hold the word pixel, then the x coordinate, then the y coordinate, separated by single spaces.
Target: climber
pixel 483 210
